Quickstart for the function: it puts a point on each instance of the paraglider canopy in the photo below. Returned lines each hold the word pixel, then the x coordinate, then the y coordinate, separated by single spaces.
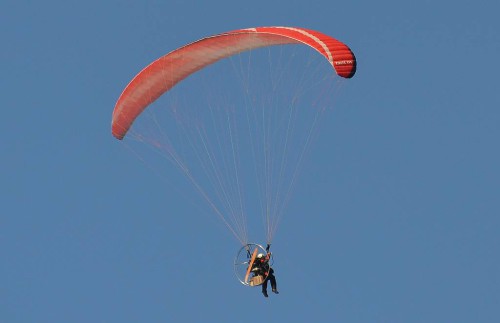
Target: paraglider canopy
pixel 164 73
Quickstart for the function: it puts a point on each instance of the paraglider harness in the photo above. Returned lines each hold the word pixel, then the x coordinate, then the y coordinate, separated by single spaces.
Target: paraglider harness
pixel 260 268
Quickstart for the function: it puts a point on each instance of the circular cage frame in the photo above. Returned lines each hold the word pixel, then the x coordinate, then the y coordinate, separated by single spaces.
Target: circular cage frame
pixel 243 260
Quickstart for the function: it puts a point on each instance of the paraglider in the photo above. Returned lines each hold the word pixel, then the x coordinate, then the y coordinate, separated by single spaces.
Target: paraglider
pixel 256 140
pixel 258 266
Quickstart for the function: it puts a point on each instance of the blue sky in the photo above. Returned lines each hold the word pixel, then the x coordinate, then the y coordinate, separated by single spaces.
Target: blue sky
pixel 396 220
